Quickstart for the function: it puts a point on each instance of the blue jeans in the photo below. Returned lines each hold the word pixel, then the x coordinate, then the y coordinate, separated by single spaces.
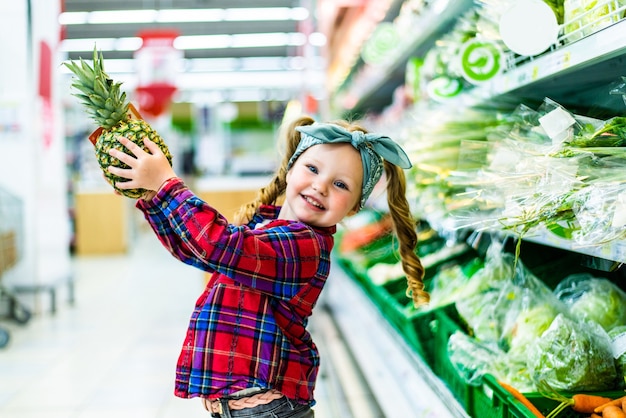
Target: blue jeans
pixel 279 408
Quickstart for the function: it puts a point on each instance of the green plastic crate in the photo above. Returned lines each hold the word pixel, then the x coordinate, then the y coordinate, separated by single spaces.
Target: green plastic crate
pixel 491 396
pixel 415 327
pixel 490 400
pixel 391 300
pixel 448 322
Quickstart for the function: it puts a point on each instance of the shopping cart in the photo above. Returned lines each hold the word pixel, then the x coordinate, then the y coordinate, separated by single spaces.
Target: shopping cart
pixel 11 246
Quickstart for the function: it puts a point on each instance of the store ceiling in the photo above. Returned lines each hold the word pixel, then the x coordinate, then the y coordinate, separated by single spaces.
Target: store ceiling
pixel 226 59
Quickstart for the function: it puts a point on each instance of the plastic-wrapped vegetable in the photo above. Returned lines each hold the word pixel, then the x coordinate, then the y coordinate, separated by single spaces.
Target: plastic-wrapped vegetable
pixel 528 325
pixel 473 359
pixel 484 314
pixel 512 310
pixel 476 277
pixel 573 356
pixel 451 282
pixel 593 298
pixel 531 309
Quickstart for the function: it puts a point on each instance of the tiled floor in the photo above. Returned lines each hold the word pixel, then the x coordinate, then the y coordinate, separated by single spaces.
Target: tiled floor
pixel 113 353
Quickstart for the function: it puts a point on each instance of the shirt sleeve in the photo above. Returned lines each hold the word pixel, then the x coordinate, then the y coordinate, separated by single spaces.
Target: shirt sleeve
pixel 276 260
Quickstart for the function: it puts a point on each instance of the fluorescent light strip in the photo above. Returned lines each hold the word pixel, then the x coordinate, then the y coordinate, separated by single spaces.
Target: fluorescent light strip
pixel 217 65
pixel 103 44
pixel 184 15
pixel 121 17
pixel 251 40
pixel 187 15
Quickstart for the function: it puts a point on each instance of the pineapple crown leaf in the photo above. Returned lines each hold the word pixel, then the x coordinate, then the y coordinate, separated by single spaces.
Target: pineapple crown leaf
pixel 100 87
pixel 87 70
pixel 84 89
pixel 100 95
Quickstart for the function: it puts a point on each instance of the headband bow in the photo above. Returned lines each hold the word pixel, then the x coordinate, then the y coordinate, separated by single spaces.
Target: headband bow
pixel 373 148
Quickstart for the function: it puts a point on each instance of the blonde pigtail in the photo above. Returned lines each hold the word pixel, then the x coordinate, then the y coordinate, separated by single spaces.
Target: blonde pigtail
pixel 404 226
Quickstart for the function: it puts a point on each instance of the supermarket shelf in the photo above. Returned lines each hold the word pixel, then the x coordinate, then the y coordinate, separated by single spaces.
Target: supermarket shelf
pixel 358 63
pixel 371 87
pixel 573 74
pixel 614 251
pixel 401 382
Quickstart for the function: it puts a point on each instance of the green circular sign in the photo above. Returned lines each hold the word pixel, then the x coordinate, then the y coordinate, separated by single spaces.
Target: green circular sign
pixel 443 88
pixel 480 61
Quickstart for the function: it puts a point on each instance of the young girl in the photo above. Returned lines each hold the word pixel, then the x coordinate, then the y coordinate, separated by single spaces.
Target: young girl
pixel 247 352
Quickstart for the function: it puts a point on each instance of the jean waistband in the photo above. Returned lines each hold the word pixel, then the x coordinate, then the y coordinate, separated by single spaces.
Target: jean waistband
pixel 239 401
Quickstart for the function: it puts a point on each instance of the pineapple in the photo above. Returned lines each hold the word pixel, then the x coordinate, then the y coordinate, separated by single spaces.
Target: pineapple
pixel 108 106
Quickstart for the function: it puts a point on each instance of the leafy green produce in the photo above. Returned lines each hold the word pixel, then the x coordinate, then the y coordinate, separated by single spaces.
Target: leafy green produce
pixel 573 356
pixel 450 283
pixel 471 358
pixel 611 134
pixel 484 313
pixel 529 325
pixel 595 299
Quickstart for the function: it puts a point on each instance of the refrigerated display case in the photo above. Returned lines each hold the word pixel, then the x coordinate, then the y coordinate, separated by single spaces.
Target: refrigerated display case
pixel 576 72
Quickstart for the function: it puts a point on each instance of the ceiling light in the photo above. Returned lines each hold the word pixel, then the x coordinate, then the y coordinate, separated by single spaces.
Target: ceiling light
pixel 317 39
pixel 190 15
pixel 248 40
pixel 258 40
pixel 265 13
pixel 102 44
pixel 202 42
pixel 122 16
pixel 75 18
pixel 183 15
pixel 87 44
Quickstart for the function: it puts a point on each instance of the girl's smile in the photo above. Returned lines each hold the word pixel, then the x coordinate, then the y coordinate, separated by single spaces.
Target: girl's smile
pixel 324 185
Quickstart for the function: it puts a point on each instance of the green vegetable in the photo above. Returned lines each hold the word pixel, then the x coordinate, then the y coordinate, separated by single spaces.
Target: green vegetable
pixel 611 134
pixel 593 299
pixel 573 356
pixel 530 325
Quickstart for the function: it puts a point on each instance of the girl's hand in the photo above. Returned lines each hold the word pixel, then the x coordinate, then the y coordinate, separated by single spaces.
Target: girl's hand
pixel 147 170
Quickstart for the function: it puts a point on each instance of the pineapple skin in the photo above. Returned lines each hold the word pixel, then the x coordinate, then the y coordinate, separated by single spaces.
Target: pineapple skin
pixel 135 130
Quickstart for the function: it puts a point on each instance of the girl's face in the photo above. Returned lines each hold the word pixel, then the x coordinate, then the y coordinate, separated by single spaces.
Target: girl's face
pixel 324 185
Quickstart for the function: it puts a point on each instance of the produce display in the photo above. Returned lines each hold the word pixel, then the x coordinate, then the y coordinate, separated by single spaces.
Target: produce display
pixel 511 337
pixel 544 340
pixel 584 17
pixel 108 106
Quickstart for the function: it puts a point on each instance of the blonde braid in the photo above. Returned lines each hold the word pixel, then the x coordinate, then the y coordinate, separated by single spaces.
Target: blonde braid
pixel 404 226
pixel 270 194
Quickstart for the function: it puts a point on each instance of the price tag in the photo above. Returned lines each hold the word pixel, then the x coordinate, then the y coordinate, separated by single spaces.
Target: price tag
pixel 535 72
pixel 618 345
pixel 619 216
pixel 557 124
pixel 619 252
pixel 558 61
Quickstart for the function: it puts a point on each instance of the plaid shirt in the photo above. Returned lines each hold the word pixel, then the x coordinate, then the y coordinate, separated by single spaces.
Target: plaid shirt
pixel 248 328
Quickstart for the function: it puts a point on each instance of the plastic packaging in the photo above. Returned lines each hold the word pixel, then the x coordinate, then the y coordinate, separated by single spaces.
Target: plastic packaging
pixel 573 356
pixel 592 298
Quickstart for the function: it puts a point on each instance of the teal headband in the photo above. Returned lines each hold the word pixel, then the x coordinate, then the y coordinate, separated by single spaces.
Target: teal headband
pixel 373 148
